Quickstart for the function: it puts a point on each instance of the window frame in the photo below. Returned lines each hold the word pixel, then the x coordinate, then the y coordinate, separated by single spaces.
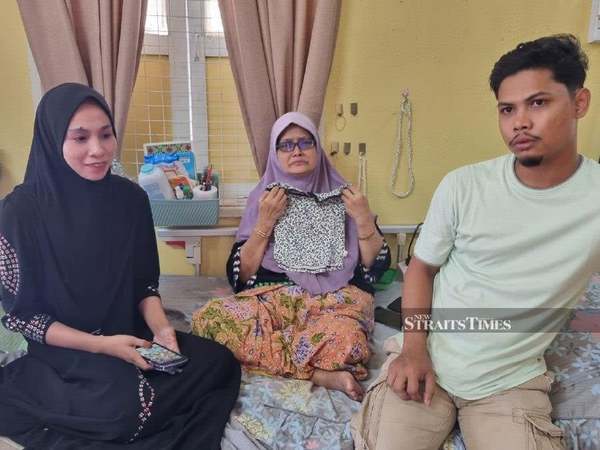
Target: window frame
pixel 187 45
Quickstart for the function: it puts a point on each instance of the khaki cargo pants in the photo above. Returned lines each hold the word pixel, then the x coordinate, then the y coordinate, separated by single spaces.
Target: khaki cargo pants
pixel 515 419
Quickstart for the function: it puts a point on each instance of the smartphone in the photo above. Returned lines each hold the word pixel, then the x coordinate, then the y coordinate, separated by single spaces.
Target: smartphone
pixel 163 359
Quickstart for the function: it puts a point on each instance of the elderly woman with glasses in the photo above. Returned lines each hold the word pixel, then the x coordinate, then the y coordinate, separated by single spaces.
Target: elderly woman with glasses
pixel 306 255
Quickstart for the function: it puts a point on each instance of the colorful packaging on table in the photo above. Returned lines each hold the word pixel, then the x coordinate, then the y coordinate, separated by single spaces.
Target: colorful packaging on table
pixel 178 163
pixel 169 164
pixel 169 152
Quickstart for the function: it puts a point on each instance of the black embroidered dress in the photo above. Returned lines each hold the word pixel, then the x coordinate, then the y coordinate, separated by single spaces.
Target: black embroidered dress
pixel 83 253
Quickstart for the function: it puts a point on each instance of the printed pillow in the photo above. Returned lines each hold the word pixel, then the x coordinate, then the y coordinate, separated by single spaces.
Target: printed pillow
pixel 574 357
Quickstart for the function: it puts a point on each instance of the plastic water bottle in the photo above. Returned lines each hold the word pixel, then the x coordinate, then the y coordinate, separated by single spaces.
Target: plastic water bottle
pixel 156 184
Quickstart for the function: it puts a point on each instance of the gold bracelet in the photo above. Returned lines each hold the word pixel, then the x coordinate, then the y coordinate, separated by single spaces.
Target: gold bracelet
pixel 261 233
pixel 367 237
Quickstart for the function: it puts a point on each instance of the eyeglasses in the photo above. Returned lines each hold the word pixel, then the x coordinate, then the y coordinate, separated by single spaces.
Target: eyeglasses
pixel 288 146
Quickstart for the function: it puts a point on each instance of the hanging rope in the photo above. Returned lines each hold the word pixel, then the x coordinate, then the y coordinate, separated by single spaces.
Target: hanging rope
pixel 362 173
pixel 405 113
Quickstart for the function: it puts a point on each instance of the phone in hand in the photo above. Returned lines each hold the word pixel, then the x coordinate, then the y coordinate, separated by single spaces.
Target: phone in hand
pixel 163 359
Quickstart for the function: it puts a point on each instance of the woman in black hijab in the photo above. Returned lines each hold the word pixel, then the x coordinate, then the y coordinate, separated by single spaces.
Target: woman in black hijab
pixel 79 279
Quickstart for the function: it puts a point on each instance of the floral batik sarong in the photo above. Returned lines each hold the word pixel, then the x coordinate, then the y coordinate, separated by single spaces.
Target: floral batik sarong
pixel 283 330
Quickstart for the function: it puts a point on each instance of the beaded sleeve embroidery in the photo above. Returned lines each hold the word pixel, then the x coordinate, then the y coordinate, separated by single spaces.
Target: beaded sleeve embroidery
pixel 152 290
pixel 34 329
pixel 9 267
pixel 237 284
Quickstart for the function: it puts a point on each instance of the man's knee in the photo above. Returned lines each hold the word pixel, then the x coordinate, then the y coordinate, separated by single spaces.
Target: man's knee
pixel 518 418
pixel 388 422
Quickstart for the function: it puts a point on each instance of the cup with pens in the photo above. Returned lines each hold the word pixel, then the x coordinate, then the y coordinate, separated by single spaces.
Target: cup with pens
pixel 206 188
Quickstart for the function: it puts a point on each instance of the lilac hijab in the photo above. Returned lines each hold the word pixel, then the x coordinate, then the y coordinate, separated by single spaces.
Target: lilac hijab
pixel 323 178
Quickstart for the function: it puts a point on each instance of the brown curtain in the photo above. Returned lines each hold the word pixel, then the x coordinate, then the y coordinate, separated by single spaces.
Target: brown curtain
pixel 281 53
pixel 93 42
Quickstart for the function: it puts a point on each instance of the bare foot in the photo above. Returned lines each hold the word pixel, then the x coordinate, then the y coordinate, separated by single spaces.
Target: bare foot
pixel 339 380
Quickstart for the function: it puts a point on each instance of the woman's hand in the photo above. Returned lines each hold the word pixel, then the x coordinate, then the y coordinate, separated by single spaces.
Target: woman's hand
pixel 271 206
pixel 357 206
pixel 369 240
pixel 167 338
pixel 123 346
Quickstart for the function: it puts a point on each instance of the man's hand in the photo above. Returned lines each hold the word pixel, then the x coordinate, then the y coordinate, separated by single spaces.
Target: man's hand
pixel 411 376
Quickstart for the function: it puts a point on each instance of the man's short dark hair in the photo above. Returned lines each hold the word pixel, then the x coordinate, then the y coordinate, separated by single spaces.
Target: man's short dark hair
pixel 561 54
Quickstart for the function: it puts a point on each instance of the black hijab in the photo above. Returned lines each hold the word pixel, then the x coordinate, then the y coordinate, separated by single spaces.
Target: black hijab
pixel 75 239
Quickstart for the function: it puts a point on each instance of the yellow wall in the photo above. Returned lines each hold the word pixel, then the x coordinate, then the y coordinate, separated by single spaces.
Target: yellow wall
pixel 228 151
pixel 228 146
pixel 442 51
pixel 149 118
pixel 16 110
pixel 214 253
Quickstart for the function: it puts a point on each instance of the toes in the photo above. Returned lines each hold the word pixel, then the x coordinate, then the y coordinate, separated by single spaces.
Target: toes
pixel 360 392
pixel 356 395
pixel 354 390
